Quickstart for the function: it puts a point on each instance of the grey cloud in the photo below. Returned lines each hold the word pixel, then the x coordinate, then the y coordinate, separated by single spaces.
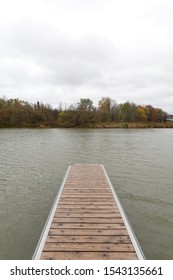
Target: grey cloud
pixel 40 60
pixel 52 55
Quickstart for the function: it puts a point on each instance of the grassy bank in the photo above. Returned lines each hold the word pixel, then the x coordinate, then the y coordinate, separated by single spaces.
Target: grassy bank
pixel 99 125
pixel 130 125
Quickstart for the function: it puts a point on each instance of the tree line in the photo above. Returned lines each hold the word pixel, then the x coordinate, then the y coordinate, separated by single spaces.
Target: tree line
pixel 17 113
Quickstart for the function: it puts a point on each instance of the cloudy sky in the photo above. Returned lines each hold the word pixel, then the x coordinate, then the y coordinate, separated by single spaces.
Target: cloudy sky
pixel 63 50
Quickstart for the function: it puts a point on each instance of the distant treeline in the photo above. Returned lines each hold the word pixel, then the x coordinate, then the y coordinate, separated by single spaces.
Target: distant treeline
pixel 17 113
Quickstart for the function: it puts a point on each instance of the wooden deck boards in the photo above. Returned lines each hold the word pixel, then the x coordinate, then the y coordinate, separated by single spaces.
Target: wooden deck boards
pixel 87 223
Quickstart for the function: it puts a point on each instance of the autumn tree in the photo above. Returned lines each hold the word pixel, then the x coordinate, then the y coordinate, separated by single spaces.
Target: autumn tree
pixel 152 114
pixel 141 114
pixel 17 113
pixel 107 109
pixel 161 115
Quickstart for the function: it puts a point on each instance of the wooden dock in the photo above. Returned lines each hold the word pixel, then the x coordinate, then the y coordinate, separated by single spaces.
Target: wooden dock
pixel 87 221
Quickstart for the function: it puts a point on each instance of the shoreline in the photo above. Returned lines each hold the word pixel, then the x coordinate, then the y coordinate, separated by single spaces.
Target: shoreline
pixel 134 125
pixel 100 125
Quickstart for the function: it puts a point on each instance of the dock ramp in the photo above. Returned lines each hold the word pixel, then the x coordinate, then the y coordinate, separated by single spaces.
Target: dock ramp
pixel 87 221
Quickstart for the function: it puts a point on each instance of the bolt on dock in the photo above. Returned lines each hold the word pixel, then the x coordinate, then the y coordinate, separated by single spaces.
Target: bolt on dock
pixel 87 221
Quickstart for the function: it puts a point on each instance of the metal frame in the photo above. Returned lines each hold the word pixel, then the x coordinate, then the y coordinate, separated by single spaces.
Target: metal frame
pixel 41 242
pixel 131 233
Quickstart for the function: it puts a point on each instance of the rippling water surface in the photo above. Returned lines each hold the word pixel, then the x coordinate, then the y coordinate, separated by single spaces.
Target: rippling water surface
pixel 33 163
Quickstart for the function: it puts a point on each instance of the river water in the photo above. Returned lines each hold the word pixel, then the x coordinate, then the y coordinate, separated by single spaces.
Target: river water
pixel 33 163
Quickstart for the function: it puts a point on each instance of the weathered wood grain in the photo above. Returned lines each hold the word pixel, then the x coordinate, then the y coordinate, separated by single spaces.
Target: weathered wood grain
pixel 87 223
pixel 110 239
pixel 88 256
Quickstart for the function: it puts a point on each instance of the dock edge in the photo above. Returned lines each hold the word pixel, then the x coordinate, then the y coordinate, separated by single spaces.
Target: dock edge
pixel 42 239
pixel 131 233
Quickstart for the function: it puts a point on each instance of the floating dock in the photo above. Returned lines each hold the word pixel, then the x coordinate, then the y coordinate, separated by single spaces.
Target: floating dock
pixel 87 221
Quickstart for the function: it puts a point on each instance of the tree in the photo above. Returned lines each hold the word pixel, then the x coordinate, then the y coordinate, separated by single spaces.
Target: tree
pixel 17 113
pixel 104 109
pixel 161 115
pixel 86 105
pixel 85 111
pixel 141 114
pixel 127 112
pixel 114 110
pixel 152 114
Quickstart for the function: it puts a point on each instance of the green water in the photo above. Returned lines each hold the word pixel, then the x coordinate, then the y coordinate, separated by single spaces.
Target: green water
pixel 33 163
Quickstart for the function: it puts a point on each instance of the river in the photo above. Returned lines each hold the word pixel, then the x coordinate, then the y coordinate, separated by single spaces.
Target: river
pixel 33 163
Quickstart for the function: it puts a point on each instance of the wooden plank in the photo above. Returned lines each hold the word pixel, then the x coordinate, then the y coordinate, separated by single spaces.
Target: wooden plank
pixel 87 210
pixel 89 238
pixel 92 220
pixel 88 232
pixel 85 186
pixel 86 199
pixel 97 197
pixel 88 256
pixel 88 247
pixel 89 195
pixel 97 203
pixel 92 206
pixel 86 190
pixel 60 214
pixel 87 226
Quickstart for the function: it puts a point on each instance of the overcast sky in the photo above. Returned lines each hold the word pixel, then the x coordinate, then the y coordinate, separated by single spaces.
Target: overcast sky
pixel 63 50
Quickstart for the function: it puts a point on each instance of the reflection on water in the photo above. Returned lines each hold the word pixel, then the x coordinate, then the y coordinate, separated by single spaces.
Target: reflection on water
pixel 33 163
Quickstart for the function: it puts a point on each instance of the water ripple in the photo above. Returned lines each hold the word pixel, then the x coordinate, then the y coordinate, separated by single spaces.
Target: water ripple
pixel 33 163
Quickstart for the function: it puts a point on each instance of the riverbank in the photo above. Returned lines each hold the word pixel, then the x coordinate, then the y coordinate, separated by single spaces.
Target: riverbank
pixel 130 125
pixel 98 125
